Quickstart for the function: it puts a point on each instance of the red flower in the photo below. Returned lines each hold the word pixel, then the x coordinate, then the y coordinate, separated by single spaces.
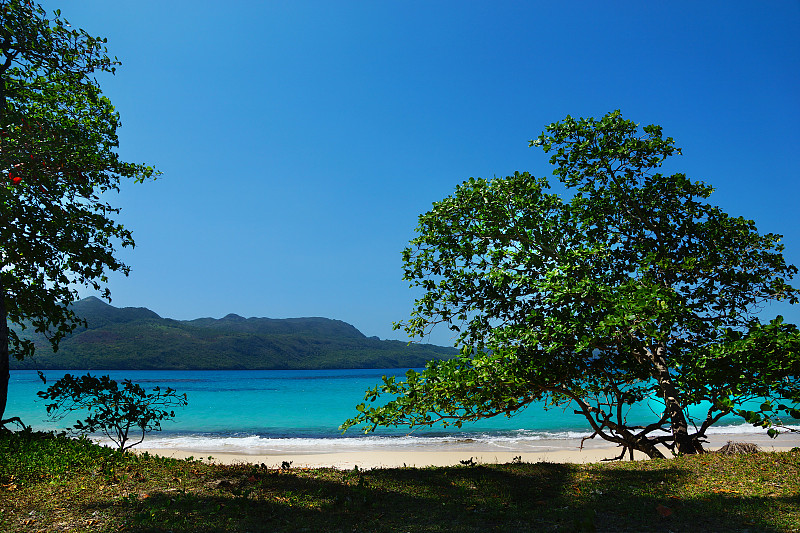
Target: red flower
pixel 15 180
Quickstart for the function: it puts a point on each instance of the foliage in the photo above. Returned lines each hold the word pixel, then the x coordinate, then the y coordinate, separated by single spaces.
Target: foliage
pixel 114 410
pixel 58 161
pixel 30 457
pixel 53 483
pixel 632 290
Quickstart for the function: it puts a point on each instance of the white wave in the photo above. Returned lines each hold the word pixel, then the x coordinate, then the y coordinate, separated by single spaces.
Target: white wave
pixel 519 440
pixel 259 445
pixel 741 429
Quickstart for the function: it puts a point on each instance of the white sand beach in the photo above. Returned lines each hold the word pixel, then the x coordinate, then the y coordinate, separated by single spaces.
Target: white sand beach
pixel 554 451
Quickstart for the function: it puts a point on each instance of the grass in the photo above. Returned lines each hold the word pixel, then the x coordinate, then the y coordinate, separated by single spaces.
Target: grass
pixel 53 483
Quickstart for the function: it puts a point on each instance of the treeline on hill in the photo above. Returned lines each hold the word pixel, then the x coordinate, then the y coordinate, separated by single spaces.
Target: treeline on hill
pixel 139 339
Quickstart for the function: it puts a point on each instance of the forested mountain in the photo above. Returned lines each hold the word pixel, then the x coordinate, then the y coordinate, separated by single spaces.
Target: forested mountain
pixel 137 338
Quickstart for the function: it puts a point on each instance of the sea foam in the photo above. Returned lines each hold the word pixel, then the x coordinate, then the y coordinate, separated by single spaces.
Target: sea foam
pixel 520 440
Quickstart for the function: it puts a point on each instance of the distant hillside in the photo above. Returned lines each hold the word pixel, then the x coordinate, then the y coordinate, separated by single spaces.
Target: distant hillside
pixel 135 338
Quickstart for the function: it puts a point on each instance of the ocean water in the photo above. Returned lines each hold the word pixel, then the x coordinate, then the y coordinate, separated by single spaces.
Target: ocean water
pixel 300 411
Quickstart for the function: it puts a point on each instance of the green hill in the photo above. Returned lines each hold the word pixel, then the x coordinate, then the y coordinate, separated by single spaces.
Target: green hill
pixel 138 339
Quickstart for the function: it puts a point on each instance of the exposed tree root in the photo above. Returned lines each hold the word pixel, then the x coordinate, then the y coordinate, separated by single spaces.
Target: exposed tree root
pixel 734 448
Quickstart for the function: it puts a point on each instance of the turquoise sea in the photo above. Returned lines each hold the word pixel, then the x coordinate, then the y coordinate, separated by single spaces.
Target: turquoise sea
pixel 268 411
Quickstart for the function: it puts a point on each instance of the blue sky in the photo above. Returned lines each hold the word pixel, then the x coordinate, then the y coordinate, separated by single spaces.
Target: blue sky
pixel 300 140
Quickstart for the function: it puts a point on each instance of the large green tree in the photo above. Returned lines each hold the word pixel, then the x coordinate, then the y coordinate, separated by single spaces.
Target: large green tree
pixel 630 290
pixel 58 160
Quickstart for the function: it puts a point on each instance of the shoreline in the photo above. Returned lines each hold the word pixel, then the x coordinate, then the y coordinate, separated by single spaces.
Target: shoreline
pixel 388 456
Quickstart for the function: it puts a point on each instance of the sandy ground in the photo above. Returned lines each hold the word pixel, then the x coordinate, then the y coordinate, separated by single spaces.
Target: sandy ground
pixel 562 451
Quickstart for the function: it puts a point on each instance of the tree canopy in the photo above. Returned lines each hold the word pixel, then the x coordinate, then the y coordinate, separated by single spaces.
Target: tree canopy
pixel 58 158
pixel 632 290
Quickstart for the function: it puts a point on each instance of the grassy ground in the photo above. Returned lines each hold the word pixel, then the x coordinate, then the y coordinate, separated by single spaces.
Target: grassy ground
pixel 51 484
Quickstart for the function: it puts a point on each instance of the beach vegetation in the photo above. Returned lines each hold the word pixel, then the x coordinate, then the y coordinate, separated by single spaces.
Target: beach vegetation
pixel 55 483
pixel 630 289
pixel 58 166
pixel 112 409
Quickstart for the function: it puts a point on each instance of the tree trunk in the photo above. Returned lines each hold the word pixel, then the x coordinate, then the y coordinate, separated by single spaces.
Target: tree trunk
pixel 644 445
pixel 680 428
pixel 5 374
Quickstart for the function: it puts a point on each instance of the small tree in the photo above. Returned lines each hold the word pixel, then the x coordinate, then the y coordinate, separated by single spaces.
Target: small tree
pixel 634 290
pixel 112 410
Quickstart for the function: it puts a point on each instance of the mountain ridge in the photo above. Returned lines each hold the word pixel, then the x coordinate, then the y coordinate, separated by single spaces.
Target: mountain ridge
pixel 136 338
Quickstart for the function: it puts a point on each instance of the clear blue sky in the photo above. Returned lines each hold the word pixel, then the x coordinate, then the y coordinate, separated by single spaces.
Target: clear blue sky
pixel 300 140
